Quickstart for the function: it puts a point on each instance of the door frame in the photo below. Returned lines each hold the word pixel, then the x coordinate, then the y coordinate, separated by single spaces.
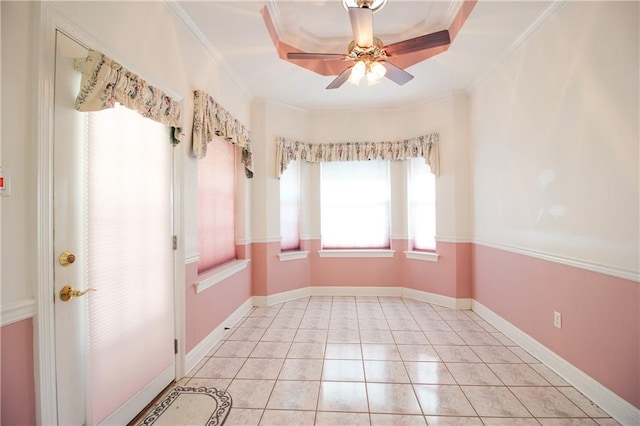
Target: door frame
pixel 51 20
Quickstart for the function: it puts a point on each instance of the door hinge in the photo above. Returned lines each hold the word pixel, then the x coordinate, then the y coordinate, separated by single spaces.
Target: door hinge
pixel 175 346
pixel 175 242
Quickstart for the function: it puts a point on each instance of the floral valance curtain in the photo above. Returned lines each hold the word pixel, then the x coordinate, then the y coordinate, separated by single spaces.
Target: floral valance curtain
pixel 422 146
pixel 105 82
pixel 210 119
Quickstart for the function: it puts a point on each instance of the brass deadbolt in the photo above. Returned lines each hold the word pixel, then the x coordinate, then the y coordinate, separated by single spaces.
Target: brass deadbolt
pixel 67 258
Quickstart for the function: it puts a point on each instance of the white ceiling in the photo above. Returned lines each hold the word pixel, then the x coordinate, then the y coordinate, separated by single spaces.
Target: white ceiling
pixel 236 33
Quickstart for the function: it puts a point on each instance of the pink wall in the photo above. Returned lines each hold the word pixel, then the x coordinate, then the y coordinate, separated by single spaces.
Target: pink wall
pixel 207 310
pixel 601 326
pixel 272 276
pixel 449 276
pixel 600 332
pixel 369 272
pixel 17 387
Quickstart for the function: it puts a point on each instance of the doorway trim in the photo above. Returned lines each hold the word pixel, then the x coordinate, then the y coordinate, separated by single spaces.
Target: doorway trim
pixel 49 21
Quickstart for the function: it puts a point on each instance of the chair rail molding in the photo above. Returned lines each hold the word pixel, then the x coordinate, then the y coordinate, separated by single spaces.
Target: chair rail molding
pixel 576 263
pixel 17 311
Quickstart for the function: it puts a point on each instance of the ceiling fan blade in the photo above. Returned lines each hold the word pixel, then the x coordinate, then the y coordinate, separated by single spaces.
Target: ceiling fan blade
pixel 362 25
pixel 396 74
pixel 340 79
pixel 427 41
pixel 323 56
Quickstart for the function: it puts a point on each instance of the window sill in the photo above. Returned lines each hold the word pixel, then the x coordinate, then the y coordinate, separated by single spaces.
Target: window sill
pixel 422 255
pixel 293 255
pixel 356 253
pixel 213 277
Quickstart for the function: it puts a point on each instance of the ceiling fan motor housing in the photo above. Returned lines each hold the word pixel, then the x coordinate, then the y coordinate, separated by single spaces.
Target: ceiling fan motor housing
pixel 374 5
pixel 369 54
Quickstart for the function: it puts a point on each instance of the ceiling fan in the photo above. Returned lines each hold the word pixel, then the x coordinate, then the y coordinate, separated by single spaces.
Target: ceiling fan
pixel 370 56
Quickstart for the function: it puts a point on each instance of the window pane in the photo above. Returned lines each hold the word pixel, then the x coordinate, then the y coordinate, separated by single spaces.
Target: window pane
pixel 355 204
pixel 422 205
pixel 290 207
pixel 216 205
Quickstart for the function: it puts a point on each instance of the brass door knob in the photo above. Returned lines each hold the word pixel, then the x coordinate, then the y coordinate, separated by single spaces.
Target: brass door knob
pixel 67 258
pixel 68 292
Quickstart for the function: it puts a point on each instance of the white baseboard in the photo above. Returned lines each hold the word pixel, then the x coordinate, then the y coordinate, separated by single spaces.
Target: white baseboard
pixel 281 297
pixel 196 354
pixel 464 303
pixel 616 407
pixel 437 299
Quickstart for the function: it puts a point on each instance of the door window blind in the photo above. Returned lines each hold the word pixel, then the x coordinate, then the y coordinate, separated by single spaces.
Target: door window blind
pixel 129 256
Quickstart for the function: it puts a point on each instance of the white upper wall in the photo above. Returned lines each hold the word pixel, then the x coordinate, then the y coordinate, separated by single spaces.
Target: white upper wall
pixel 151 40
pixel 18 151
pixel 446 115
pixel 270 120
pixel 145 37
pixel 555 140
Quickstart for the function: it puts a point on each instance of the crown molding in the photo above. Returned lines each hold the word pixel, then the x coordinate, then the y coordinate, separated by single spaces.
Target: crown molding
pixel 278 104
pixel 291 32
pixel 551 10
pixel 184 18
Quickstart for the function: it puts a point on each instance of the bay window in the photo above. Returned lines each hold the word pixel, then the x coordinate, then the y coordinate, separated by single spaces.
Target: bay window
pixel 422 205
pixel 355 205
pixel 290 208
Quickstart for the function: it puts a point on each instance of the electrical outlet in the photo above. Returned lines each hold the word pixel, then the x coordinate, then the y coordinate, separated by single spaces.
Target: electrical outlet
pixel 557 319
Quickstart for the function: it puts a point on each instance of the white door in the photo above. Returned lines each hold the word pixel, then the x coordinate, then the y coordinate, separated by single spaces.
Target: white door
pixel 113 175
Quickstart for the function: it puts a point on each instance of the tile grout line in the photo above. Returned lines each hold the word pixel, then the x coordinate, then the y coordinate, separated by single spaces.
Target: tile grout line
pixel 341 317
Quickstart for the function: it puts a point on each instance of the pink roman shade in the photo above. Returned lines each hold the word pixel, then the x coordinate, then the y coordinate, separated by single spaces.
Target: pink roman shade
pixel 216 205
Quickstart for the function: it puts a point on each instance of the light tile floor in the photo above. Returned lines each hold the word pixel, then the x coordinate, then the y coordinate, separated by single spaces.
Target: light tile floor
pixel 383 361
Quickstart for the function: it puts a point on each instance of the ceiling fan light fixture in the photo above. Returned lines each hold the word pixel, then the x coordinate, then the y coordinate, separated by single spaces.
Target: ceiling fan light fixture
pixel 375 73
pixel 357 72
pixel 372 80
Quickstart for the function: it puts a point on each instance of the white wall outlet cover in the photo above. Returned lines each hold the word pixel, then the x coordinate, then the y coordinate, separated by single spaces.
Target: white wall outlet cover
pixel 557 319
